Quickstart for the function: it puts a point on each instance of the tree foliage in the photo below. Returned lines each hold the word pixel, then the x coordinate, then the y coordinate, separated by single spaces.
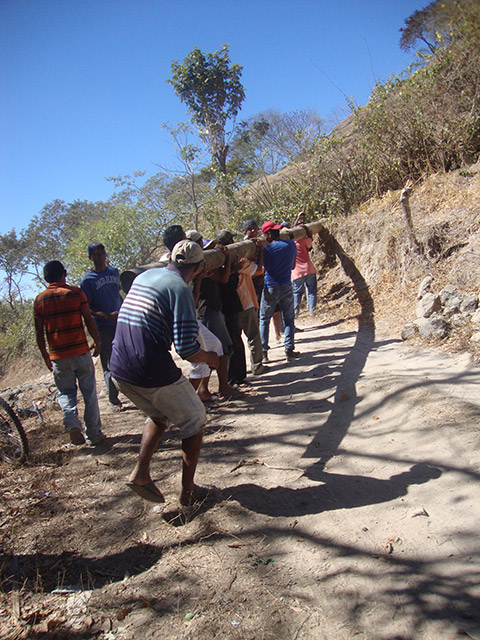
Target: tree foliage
pixel 209 84
pixel 439 23
pixel 50 232
pixel 14 265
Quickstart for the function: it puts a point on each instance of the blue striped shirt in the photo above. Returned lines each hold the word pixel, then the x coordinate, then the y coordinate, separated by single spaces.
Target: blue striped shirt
pixel 158 311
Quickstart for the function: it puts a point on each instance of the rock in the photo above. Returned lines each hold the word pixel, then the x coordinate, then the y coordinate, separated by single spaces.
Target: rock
pixel 427 305
pixel 449 312
pixel 409 331
pixel 453 303
pixel 425 287
pixel 476 317
pixel 449 291
pixel 469 304
pixel 475 338
pixel 459 321
pixel 419 512
pixel 433 327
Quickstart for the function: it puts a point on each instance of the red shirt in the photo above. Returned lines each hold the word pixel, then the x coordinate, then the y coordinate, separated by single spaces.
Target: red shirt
pixel 59 307
pixel 303 265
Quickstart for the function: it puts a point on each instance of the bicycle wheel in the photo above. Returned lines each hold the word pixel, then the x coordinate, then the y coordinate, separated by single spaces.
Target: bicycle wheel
pixel 13 440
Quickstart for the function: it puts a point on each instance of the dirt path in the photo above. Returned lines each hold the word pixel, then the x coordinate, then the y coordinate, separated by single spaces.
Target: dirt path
pixel 349 509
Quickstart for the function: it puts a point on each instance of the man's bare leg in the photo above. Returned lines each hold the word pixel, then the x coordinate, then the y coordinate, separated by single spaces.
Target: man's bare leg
pixel 203 390
pixel 190 453
pixel 195 382
pixel 224 389
pixel 201 387
pixel 151 436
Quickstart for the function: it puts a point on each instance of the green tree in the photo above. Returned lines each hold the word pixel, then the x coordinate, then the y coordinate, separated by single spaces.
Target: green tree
pixel 50 232
pixel 440 23
pixel 209 84
pixel 14 265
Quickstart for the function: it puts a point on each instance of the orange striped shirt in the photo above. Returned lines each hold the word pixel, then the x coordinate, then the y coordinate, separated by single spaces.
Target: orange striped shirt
pixel 59 308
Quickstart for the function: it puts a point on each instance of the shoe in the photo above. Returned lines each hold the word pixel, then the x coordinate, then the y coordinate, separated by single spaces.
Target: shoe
pixel 116 408
pixel 76 436
pixel 298 329
pixel 264 357
pixel 261 368
pixel 95 439
pixel 291 354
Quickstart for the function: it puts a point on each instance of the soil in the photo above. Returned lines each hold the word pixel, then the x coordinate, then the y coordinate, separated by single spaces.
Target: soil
pixel 347 508
pixel 348 480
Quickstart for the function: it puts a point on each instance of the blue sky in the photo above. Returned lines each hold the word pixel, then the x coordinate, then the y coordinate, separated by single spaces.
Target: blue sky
pixel 84 91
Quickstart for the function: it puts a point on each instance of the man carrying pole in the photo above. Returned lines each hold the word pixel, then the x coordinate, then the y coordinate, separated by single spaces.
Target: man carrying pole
pixel 158 311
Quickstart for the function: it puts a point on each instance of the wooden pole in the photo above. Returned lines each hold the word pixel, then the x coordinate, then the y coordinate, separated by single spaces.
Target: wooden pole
pixel 215 258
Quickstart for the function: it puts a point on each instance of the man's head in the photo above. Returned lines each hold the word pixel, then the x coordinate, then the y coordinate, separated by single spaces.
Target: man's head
pixel 97 254
pixel 271 230
pixel 250 229
pixel 224 237
pixel 195 236
pixel 54 271
pixel 188 256
pixel 172 235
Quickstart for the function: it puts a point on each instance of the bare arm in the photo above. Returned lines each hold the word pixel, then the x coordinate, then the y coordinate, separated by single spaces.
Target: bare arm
pixel 259 259
pixel 92 328
pixel 40 335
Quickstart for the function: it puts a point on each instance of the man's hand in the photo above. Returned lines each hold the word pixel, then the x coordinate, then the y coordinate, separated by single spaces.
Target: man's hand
pixel 209 357
pixel 112 316
pixel 47 360
pixel 95 348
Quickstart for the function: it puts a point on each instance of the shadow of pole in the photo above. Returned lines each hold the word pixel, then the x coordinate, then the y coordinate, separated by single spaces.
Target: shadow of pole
pixel 335 428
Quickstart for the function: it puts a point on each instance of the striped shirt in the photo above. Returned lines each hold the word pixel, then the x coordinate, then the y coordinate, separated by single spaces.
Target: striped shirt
pixel 157 312
pixel 60 309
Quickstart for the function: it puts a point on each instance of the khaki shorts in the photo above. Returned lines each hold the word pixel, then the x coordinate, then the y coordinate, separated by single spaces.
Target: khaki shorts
pixel 176 404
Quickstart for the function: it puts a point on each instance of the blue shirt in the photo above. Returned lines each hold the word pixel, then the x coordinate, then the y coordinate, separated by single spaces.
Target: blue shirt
pixel 102 289
pixel 158 311
pixel 278 260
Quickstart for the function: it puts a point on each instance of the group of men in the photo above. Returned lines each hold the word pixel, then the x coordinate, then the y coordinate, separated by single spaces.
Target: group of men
pixel 201 313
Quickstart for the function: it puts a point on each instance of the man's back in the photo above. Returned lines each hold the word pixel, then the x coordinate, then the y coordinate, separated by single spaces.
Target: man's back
pixel 157 311
pixel 278 260
pixel 59 307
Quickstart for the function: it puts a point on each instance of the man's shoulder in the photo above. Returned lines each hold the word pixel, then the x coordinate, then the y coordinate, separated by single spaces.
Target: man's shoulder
pixel 282 245
pixel 161 278
pixel 61 291
pixel 91 274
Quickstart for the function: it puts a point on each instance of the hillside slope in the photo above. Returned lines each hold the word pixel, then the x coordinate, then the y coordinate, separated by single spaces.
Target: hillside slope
pixel 446 218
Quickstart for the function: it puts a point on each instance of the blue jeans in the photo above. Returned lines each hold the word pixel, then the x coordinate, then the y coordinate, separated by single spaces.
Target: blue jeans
pixel 107 333
pixel 281 294
pixel 310 283
pixel 66 372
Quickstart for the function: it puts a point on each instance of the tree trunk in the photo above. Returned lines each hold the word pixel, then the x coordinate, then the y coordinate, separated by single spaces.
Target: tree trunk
pixel 215 258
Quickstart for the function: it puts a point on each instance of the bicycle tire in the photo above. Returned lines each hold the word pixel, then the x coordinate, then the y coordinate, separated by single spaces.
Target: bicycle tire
pixel 13 439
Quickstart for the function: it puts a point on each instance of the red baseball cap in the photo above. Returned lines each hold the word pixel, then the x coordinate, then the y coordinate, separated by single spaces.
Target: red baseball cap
pixel 270 225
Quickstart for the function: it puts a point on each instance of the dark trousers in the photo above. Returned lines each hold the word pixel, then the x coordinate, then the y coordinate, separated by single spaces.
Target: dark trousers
pixel 237 365
pixel 107 333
